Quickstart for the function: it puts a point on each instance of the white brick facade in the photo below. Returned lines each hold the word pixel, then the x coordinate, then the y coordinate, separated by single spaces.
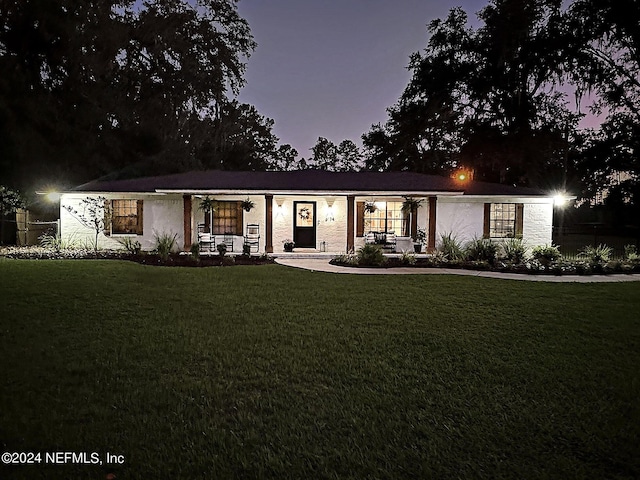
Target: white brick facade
pixel 463 216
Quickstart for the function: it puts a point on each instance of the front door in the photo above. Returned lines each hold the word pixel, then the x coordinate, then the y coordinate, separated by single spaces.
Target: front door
pixel 304 224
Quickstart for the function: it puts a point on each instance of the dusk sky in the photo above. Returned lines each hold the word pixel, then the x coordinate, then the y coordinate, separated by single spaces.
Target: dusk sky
pixel 330 68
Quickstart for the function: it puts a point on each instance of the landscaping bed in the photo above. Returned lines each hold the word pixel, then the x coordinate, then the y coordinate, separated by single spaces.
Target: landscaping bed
pixel 545 261
pixel 531 268
pixel 169 260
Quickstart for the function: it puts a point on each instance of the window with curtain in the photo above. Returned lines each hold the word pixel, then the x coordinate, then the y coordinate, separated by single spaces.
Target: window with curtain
pixel 126 217
pixel 227 218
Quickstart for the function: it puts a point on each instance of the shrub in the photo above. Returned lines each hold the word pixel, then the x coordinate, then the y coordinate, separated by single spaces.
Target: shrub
pixel 195 250
pixel 514 250
pixel 450 247
pixel 371 255
pixel 481 250
pixel 596 255
pixel 408 258
pixel 246 250
pixel 345 259
pixel 222 249
pixel 630 253
pixel 546 254
pixel 131 246
pixel 165 243
pixel 55 242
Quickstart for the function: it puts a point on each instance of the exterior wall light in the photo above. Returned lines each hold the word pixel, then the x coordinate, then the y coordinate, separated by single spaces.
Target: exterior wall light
pixel 561 199
pixel 329 216
pixel 53 197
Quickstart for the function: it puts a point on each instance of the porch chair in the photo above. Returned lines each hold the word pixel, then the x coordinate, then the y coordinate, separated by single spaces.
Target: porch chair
pixel 252 237
pixel 227 239
pixel 370 238
pixel 206 241
pixel 390 241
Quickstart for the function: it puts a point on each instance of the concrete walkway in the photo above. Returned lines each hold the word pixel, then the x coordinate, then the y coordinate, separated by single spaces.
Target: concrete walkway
pixel 322 265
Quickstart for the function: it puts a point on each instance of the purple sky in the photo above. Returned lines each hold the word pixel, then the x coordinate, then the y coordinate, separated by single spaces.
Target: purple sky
pixel 330 68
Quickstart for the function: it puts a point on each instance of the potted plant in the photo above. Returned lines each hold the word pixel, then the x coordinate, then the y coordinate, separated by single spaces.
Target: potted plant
pixel 421 239
pixel 411 206
pixel 288 245
pixel 247 205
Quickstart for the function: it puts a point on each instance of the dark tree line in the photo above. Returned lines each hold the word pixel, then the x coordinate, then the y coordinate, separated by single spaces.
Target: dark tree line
pixel 117 86
pixel 493 99
pixel 120 87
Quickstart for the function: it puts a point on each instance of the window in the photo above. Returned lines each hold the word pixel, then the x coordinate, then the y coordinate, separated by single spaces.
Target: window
pixel 503 220
pixel 126 217
pixel 387 217
pixel 227 218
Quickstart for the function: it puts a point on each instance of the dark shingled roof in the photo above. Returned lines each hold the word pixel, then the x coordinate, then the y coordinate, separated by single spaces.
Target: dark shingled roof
pixel 306 180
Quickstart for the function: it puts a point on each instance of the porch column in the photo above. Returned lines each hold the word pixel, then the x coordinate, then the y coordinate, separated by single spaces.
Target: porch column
pixel 268 224
pixel 186 204
pixel 431 238
pixel 350 222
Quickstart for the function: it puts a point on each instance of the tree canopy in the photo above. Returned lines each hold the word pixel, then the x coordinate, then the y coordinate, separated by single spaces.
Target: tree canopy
pixel 495 99
pixel 94 87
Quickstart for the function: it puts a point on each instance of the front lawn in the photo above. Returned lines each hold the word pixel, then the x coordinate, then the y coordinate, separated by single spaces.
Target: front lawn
pixel 274 372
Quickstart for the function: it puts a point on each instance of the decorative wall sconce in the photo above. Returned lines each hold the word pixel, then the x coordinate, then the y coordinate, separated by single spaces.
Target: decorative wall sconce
pixel 329 215
pixel 279 208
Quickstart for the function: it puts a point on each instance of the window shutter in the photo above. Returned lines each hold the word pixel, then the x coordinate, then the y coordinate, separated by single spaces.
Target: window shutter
pixel 140 223
pixel 487 221
pixel 359 219
pixel 519 219
pixel 239 218
pixel 108 208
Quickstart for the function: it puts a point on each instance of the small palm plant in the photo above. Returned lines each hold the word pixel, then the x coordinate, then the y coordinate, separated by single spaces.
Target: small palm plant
pixel 410 207
pixel 208 206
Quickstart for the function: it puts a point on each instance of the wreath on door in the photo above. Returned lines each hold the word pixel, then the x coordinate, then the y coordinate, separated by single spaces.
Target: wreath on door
pixel 304 213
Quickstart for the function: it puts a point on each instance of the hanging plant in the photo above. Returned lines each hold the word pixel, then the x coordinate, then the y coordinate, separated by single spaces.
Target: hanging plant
pixel 207 204
pixel 247 205
pixel 370 207
pixel 411 204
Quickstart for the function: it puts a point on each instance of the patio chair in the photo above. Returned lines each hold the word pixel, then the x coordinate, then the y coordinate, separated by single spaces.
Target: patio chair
pixel 252 237
pixel 390 241
pixel 370 238
pixel 206 241
pixel 227 239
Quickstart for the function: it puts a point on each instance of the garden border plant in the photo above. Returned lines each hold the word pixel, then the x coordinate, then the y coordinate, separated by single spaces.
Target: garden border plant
pixel 508 255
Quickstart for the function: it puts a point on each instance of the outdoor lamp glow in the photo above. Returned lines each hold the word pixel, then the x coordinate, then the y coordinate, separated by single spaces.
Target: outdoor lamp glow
pixel 329 217
pixel 560 199
pixel 53 196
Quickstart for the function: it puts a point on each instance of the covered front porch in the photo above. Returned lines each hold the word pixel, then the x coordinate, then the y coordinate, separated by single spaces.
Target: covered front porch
pixel 248 222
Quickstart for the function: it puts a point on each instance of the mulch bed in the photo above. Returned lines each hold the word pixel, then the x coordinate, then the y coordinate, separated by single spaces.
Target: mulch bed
pixel 202 261
pixel 173 260
pixel 532 268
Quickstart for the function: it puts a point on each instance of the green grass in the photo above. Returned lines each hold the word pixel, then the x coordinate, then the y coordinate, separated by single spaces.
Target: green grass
pixel 272 372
